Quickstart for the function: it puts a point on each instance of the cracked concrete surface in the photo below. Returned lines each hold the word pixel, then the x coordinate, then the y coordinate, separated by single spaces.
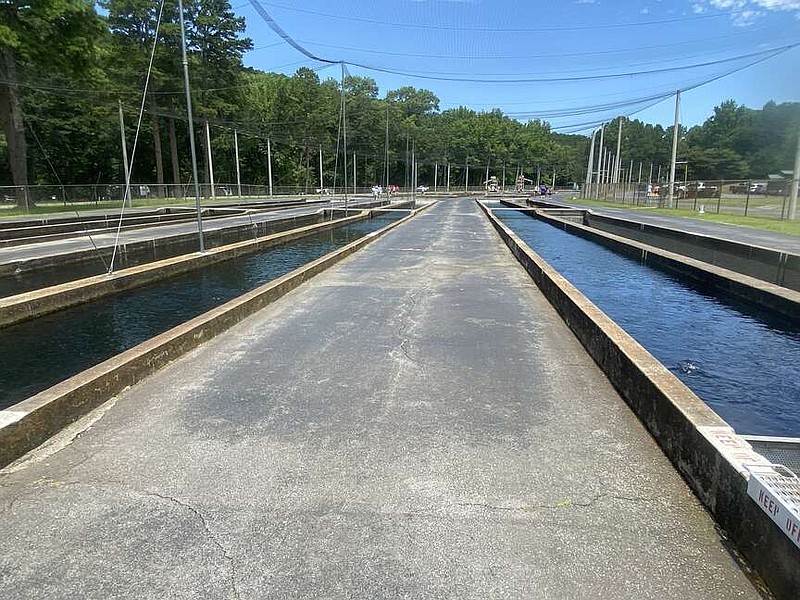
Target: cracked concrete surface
pixel 307 453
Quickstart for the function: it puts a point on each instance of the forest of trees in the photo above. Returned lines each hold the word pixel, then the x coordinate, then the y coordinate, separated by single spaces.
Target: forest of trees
pixel 65 69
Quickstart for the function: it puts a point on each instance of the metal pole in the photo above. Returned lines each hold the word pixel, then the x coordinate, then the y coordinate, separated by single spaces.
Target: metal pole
pixel 344 136
pixel 191 128
pixel 674 148
pixel 386 156
pixel 406 174
pixel 435 177
pixel 414 170
pixel 503 188
pixel 321 177
pixel 794 183
pixel 466 178
pixel 589 168
pixel 448 177
pixel 355 162
pixel 269 165
pixel 238 172
pixel 210 162
pixel 126 196
pixel 600 156
pixel 616 158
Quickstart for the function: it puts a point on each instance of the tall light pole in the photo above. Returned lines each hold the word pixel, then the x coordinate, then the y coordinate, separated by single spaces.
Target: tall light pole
pixel 794 183
pixel 589 168
pixel 674 148
pixel 191 128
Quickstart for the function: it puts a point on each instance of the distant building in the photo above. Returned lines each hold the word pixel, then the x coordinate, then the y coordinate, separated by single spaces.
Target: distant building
pixel 778 183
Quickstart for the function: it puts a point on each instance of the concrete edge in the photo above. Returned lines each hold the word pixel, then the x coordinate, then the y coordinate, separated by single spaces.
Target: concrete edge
pixel 29 423
pixel 701 445
pixel 36 303
pixel 769 295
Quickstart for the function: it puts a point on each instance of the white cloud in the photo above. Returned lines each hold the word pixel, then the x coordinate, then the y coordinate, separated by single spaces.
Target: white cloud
pixel 585 2
pixel 746 12
pixel 644 11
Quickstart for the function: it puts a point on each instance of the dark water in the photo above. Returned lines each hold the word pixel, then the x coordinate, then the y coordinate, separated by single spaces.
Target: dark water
pixel 97 264
pixel 38 354
pixel 743 362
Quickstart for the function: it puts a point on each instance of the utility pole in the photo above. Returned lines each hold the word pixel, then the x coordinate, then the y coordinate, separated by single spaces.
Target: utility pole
pixel 794 183
pixel 210 162
pixel 269 165
pixel 435 177
pixel 674 148
pixel 238 172
pixel 191 127
pixel 503 188
pixel 386 151
pixel 126 195
pixel 615 178
pixel 321 177
pixel 355 162
pixel 414 170
pixel 589 168
pixel 616 159
pixel 344 137
pixel 448 177
pixel 466 178
pixel 601 155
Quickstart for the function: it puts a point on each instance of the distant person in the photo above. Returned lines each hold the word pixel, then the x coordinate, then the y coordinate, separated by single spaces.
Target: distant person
pixel 543 190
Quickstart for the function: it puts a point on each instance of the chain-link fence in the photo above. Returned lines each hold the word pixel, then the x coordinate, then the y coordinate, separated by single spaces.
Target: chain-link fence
pixel 747 197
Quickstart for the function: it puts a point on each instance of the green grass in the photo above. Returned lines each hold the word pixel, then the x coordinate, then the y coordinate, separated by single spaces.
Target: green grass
pixel 785 227
pixel 766 224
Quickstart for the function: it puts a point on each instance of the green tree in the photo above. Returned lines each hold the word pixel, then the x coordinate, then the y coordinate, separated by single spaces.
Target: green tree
pixel 36 39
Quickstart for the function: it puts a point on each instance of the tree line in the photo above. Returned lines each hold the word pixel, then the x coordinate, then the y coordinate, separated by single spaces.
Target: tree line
pixel 66 69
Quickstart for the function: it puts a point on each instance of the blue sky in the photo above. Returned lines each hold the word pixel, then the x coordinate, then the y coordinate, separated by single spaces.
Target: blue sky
pixel 529 58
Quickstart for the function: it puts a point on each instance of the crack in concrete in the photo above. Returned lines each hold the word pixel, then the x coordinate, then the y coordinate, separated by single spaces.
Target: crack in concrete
pixel 566 503
pixel 405 313
pixel 211 535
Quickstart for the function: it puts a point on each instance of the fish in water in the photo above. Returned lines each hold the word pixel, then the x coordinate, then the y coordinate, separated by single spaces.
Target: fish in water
pixel 687 367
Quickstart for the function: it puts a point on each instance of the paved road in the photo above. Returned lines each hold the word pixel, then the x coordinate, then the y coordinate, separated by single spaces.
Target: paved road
pixel 415 422
pixel 747 235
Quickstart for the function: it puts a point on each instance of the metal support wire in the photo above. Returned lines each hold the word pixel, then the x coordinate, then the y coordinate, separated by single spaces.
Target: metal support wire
pixel 136 137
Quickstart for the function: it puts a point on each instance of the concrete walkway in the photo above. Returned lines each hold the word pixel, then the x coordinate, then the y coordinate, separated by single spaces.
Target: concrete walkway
pixel 416 422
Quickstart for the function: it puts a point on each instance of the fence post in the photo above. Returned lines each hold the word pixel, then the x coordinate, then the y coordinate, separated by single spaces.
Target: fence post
pixel 747 199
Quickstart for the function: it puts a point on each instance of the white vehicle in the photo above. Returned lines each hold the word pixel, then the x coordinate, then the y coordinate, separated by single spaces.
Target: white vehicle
pixel 423 188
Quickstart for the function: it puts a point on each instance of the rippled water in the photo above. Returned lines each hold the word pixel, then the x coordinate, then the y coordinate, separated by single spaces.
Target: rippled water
pixel 743 362
pixel 38 354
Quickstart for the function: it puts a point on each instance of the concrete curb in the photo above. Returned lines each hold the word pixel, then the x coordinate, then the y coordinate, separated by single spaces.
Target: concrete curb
pixel 30 305
pixel 25 425
pixel 701 445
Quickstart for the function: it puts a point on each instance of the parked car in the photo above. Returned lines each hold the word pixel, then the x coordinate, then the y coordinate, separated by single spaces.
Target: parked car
pixel 698 189
pixel 749 188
